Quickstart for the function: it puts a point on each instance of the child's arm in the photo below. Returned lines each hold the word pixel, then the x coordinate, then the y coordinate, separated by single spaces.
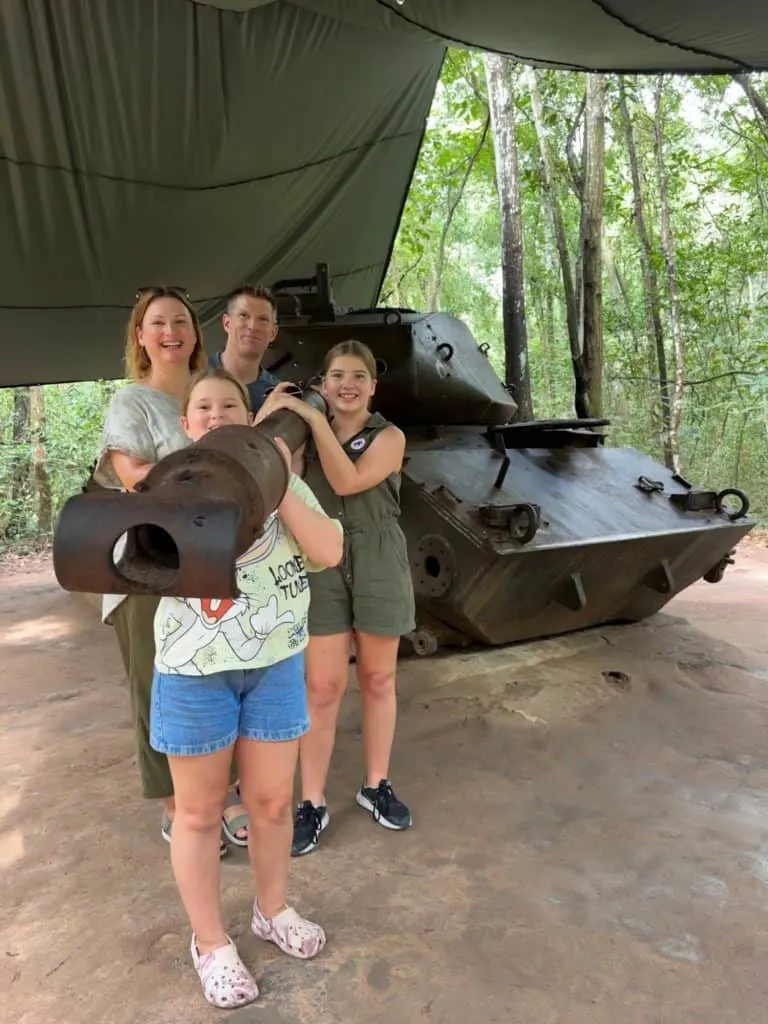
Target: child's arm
pixel 385 456
pixel 320 537
pixel 297 462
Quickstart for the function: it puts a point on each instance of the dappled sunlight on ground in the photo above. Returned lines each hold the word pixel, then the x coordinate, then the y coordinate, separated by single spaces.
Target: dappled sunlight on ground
pixel 9 802
pixel 11 838
pixel 11 848
pixel 38 631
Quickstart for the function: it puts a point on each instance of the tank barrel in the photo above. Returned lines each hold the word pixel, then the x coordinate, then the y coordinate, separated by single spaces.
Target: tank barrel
pixel 194 513
pixel 288 426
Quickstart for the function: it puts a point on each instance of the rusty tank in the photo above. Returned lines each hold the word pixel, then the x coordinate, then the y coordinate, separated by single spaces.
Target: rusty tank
pixel 515 530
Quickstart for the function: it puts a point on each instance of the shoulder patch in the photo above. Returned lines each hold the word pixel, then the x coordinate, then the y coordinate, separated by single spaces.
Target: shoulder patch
pixel 358 444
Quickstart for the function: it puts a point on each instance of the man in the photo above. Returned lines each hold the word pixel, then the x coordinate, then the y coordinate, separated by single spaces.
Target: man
pixel 250 324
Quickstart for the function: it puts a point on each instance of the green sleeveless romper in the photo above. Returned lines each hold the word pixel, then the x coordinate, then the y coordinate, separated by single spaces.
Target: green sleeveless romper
pixel 371 591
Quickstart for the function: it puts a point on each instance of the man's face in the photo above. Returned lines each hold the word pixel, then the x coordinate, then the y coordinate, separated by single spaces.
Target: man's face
pixel 250 327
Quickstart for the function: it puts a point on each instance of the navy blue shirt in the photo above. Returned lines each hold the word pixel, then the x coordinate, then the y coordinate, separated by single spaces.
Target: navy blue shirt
pixel 257 389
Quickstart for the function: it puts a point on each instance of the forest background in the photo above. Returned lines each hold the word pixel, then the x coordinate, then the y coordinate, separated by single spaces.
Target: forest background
pixel 605 237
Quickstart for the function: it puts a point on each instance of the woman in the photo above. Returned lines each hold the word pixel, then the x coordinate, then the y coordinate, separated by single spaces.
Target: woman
pixel 353 466
pixel 163 348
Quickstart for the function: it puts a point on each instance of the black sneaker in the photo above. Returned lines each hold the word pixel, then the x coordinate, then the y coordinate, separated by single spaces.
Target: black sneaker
pixel 386 809
pixel 308 823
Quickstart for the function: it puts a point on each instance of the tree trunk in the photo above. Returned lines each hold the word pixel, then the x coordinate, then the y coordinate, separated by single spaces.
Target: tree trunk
pixel 758 104
pixel 739 450
pixel 15 526
pixel 571 306
pixel 576 165
pixel 668 252
pixel 39 464
pixel 548 337
pixel 590 245
pixel 612 271
pixel 650 280
pixel 393 296
pixel 502 113
pixel 454 200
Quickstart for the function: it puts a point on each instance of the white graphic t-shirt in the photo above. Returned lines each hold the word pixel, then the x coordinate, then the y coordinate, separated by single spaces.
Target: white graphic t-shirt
pixel 266 624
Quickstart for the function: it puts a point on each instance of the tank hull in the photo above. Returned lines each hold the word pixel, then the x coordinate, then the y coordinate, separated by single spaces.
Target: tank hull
pixel 605 549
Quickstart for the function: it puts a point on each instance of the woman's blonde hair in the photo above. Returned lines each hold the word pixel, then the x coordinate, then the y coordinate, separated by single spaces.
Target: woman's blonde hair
pixel 137 362
pixel 351 348
pixel 215 373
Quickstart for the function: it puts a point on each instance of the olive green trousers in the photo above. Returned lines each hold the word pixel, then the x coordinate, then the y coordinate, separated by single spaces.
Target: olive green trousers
pixel 134 621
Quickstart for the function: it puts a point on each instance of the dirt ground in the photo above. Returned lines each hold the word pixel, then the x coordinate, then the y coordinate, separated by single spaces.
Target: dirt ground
pixel 588 848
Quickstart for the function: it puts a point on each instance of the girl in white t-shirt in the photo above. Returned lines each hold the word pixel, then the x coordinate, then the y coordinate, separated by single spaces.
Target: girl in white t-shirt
pixel 229 676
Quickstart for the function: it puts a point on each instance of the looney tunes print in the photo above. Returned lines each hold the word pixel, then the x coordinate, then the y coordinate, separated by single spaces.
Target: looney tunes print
pixel 197 634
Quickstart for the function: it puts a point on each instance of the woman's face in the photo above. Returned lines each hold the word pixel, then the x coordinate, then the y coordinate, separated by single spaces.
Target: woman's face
pixel 213 403
pixel 167 333
pixel 348 386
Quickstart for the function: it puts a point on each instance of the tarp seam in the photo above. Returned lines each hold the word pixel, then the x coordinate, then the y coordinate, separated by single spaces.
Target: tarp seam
pixel 195 302
pixel 117 179
pixel 472 46
pixel 623 20
pixel 527 59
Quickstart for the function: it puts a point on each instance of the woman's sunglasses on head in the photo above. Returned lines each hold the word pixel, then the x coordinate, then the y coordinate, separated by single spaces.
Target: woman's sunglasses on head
pixel 159 291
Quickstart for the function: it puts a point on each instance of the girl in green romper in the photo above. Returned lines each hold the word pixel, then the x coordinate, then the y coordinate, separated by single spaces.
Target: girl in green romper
pixel 353 466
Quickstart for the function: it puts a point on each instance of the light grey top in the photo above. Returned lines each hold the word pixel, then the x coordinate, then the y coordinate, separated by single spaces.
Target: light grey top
pixel 142 423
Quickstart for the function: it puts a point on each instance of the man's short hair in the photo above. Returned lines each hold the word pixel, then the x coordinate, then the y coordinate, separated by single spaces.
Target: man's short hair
pixel 253 291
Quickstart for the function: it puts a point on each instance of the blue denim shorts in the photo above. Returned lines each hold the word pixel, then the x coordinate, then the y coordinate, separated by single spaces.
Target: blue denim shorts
pixel 195 715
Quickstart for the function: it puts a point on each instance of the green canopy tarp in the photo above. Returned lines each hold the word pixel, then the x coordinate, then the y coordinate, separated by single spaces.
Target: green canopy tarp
pixel 210 143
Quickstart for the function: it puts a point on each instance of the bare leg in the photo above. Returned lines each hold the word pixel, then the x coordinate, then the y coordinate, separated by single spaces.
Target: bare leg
pixel 266 786
pixel 327 668
pixel 376 668
pixel 266 789
pixel 200 785
pixel 231 812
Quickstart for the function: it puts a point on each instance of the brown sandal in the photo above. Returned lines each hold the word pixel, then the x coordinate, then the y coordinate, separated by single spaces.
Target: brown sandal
pixel 237 823
pixel 165 832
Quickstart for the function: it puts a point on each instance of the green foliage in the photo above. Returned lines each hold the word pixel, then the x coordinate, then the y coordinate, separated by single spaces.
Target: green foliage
pixel 716 159
pixel 74 415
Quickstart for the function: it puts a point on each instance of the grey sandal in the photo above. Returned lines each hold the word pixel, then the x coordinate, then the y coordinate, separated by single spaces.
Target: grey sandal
pixel 165 832
pixel 234 825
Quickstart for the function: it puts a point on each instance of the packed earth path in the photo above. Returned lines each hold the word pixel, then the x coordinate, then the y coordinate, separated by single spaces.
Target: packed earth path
pixel 590 840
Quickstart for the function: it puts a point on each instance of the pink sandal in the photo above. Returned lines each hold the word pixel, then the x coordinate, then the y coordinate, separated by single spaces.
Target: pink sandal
pixel 290 932
pixel 227 982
